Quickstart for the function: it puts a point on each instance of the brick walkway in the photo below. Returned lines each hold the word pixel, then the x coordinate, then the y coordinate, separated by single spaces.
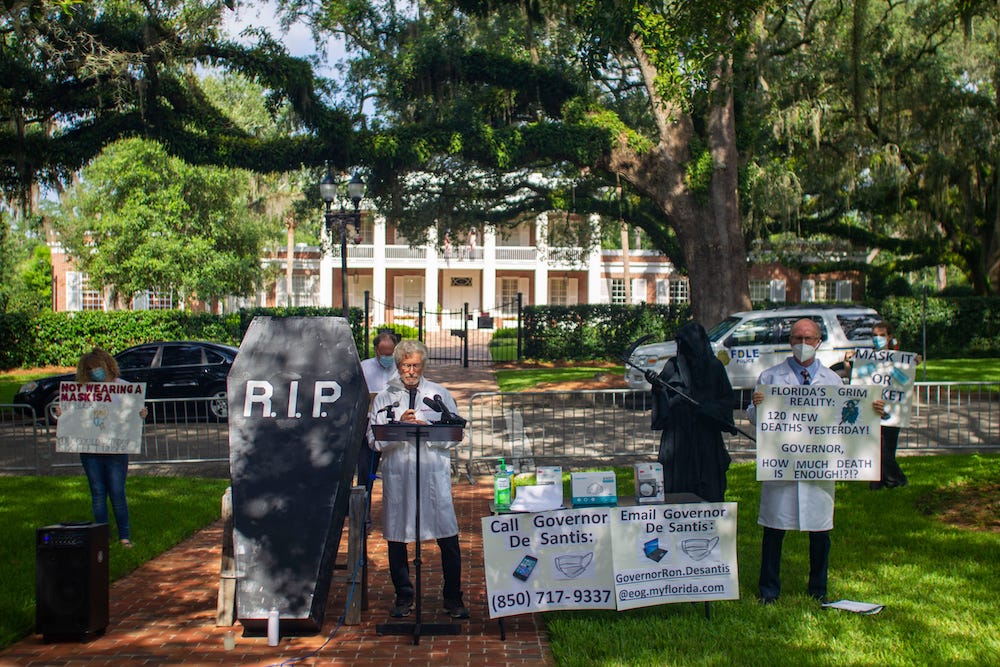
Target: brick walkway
pixel 164 612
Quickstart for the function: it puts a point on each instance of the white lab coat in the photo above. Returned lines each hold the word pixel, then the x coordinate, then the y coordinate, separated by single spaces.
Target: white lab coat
pixel 437 513
pixel 795 505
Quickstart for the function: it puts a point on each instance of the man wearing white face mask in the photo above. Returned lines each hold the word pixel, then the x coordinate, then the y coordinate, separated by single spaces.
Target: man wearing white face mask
pixel 378 371
pixel 786 505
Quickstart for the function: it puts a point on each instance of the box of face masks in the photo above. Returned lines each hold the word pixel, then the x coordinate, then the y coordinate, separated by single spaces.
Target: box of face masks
pixel 648 483
pixel 594 489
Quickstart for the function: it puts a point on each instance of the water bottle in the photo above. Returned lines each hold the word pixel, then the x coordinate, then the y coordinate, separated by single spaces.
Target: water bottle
pixel 272 627
pixel 502 483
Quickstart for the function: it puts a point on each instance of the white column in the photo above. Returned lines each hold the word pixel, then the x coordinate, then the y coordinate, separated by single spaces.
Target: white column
pixel 325 270
pixel 489 286
pixel 594 261
pixel 379 288
pixel 431 273
pixel 541 259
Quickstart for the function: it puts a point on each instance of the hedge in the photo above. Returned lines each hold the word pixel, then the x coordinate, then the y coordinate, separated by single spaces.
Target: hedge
pixel 966 326
pixel 59 338
pixel 956 326
pixel 595 331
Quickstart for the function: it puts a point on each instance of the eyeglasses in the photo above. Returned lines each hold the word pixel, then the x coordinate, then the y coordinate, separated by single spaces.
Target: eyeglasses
pixel 804 339
pixel 411 367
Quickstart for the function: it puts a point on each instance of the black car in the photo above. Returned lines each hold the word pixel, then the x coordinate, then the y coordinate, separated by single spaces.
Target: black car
pixel 177 370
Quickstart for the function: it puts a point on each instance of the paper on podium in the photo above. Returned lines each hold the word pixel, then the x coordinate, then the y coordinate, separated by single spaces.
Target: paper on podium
pixel 537 498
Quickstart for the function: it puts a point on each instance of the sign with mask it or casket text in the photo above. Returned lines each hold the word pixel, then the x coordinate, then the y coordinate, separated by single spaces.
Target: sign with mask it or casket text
pixel 892 371
pixel 100 417
pixel 818 432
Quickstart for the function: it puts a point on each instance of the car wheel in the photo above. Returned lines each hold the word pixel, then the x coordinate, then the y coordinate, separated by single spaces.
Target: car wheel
pixel 218 405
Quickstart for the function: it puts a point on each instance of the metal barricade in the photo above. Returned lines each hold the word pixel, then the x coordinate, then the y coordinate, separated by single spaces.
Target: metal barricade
pixel 19 438
pixel 599 426
pixel 176 431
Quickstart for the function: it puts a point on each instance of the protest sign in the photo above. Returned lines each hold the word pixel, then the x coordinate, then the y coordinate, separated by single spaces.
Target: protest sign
pixel 894 372
pixel 674 553
pixel 100 417
pixel 548 561
pixel 818 432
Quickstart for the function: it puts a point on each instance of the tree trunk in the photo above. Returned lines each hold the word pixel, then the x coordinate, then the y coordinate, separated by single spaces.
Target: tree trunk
pixel 707 227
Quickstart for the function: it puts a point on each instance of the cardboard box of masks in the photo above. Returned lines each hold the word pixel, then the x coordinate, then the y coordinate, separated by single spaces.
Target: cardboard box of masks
pixel 594 489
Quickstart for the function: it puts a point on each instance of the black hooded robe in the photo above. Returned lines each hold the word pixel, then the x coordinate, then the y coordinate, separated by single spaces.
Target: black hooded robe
pixel 692 452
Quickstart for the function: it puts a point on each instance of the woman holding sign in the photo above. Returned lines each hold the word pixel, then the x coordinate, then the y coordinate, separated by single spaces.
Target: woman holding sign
pixel 105 472
pixel 892 474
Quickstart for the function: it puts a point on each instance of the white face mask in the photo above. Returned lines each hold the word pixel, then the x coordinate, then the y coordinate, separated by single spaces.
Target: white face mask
pixel 803 353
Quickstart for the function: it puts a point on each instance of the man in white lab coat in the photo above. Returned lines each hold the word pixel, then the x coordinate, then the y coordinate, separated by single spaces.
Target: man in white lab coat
pixel 788 505
pixel 403 400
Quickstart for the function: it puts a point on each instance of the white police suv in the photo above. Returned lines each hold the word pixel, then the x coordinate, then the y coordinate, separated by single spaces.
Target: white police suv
pixel 753 340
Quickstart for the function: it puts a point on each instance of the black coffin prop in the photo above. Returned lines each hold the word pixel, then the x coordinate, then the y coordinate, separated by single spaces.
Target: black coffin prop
pixel 298 405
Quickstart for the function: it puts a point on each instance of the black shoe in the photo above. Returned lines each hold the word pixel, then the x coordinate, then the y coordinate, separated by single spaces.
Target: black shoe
pixel 456 609
pixel 767 601
pixel 402 608
pixel 822 599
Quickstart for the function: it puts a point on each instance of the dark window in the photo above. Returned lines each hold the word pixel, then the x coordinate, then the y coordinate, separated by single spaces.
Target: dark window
pixel 141 358
pixel 858 327
pixel 181 355
pixel 212 357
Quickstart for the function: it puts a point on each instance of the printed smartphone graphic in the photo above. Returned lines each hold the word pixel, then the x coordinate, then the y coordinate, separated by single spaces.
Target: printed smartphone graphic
pixel 524 568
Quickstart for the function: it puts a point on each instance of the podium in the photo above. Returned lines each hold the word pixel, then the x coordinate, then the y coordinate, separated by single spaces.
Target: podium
pixel 417 434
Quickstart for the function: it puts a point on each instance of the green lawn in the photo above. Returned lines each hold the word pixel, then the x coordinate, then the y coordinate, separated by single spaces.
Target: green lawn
pixel 163 511
pixel 519 379
pixel 939 585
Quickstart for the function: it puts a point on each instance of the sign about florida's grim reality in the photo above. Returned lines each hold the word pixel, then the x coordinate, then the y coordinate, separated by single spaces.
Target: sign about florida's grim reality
pixel 818 432
pixel 298 405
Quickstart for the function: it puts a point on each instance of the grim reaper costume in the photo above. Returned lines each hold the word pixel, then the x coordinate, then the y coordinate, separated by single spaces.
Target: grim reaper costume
pixel 692 453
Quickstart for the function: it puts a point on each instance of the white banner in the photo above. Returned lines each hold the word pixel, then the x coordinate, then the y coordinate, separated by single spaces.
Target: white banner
pixel 674 553
pixel 547 561
pixel 894 372
pixel 818 432
pixel 100 418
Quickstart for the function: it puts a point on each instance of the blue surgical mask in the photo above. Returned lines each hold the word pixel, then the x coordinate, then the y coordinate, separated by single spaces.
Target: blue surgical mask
pixel 386 361
pixel 879 342
pixel 96 374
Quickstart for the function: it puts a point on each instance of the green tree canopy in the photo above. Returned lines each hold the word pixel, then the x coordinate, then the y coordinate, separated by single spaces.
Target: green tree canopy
pixel 142 219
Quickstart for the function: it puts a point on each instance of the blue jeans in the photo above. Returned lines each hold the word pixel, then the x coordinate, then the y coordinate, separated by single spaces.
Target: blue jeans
pixel 106 476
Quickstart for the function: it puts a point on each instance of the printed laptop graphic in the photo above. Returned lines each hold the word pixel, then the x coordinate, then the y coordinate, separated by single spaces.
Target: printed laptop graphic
pixel 653 551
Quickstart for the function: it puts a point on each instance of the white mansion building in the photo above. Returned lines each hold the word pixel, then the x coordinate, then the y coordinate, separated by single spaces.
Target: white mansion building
pixel 486 270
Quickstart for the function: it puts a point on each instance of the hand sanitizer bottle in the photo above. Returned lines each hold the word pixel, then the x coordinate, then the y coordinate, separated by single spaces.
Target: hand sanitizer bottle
pixel 502 482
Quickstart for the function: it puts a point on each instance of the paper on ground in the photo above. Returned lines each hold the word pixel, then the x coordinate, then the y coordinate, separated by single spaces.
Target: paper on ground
pixel 856 607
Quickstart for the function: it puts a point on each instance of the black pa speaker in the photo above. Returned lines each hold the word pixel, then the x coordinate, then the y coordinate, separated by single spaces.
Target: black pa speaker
pixel 71 581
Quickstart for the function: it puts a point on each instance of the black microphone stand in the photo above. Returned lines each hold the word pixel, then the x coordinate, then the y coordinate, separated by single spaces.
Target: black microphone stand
pixel 392 432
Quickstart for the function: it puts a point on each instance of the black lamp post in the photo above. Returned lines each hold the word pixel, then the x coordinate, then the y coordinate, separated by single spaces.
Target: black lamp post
pixel 328 191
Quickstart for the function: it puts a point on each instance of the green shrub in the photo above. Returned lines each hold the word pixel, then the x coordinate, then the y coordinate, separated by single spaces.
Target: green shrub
pixel 595 331
pixel 955 326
